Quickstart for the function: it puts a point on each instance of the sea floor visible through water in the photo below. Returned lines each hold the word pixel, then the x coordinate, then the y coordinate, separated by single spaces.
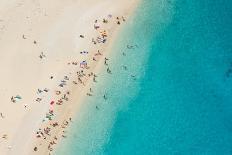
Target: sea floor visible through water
pixel 170 89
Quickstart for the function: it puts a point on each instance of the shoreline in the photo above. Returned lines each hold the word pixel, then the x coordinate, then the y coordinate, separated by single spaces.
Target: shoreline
pixel 81 97
pixel 70 109
pixel 100 66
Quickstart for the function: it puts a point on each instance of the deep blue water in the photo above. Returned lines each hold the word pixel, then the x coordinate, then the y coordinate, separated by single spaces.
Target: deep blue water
pixel 180 101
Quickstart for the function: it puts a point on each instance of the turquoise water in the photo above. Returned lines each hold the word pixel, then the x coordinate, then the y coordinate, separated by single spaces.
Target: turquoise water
pixel 180 100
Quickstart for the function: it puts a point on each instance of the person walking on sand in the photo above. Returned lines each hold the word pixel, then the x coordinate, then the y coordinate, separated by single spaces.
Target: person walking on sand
pixel 2 115
pixel 106 63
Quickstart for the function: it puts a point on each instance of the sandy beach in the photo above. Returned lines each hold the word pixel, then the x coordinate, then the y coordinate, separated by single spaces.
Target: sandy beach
pixel 51 54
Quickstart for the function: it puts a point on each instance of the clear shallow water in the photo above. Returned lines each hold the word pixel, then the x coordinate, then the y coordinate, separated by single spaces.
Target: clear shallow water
pixel 181 99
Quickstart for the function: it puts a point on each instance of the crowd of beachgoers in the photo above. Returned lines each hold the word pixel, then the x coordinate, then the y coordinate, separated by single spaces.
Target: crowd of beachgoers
pixel 54 55
pixel 53 129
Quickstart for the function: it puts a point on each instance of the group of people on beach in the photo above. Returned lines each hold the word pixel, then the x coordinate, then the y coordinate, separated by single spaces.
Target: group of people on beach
pixel 48 134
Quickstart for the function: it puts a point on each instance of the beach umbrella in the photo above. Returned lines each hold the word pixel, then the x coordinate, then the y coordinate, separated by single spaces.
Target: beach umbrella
pixel 83 64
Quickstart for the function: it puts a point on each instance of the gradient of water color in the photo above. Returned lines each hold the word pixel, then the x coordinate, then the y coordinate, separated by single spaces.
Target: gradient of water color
pixel 181 99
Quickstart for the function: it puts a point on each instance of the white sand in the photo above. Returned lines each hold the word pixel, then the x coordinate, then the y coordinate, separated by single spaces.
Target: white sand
pixel 55 25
